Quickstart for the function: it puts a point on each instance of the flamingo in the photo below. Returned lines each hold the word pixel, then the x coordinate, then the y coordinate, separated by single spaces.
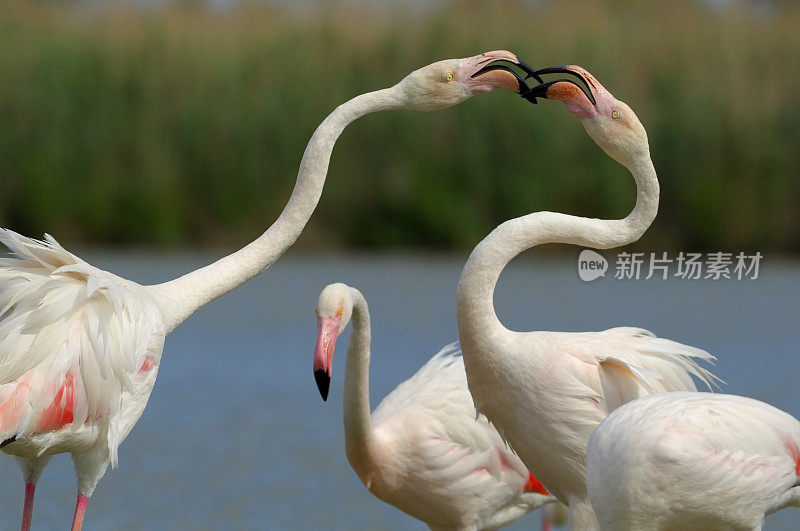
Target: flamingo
pixel 693 461
pixel 423 450
pixel 80 347
pixel 547 391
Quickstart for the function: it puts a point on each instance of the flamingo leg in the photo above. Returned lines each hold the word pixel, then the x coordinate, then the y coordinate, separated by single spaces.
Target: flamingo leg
pixel 27 509
pixel 80 512
pixel 547 523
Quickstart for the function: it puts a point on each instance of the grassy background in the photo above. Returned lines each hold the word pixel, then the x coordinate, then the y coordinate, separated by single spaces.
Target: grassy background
pixel 184 126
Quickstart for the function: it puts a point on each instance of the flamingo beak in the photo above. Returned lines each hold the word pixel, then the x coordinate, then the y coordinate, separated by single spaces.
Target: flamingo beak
pixel 488 71
pixel 327 332
pixel 541 90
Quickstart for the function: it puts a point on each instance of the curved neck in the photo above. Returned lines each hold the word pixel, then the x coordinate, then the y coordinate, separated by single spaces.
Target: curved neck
pixel 357 425
pixel 477 321
pixel 183 296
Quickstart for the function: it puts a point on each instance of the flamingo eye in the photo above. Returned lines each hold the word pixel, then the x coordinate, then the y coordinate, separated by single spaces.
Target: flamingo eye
pixel 340 311
pixel 615 114
pixel 449 77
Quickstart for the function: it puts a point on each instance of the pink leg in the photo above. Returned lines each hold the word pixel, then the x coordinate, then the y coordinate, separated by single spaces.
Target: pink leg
pixel 27 510
pixel 80 511
pixel 547 525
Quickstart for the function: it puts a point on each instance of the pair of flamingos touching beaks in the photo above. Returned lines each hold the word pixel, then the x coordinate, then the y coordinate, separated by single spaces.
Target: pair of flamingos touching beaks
pixel 80 349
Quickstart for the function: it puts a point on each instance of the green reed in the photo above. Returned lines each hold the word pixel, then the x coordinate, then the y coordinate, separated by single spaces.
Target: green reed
pixel 185 126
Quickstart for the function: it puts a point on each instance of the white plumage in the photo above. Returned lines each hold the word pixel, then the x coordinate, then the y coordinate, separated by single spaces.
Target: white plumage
pixel 693 461
pixel 423 450
pixel 72 331
pixel 459 468
pixel 547 391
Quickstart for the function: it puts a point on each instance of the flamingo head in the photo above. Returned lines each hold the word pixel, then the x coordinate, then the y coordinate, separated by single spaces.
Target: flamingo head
pixel 609 121
pixel 446 83
pixel 334 309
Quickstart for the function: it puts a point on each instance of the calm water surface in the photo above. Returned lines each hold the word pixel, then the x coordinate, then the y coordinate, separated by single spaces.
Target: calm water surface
pixel 236 436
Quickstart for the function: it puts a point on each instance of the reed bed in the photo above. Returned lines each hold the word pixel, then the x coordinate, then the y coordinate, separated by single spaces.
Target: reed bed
pixel 186 126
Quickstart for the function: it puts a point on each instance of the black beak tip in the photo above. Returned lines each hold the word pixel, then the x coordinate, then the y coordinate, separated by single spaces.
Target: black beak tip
pixel 498 65
pixel 529 71
pixel 323 383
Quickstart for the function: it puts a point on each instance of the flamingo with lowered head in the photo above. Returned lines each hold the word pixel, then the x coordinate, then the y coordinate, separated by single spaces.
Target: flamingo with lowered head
pixel 423 450
pixel 547 391
pixel 80 347
pixel 693 461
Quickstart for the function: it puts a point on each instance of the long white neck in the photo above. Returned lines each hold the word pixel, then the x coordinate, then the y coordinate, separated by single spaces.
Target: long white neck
pixel 477 321
pixel 357 425
pixel 183 296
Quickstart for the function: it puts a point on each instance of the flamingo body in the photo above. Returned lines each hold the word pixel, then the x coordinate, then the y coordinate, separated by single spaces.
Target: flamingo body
pixel 79 357
pixel 80 347
pixel 693 461
pixel 79 353
pixel 441 464
pixel 423 449
pixel 564 384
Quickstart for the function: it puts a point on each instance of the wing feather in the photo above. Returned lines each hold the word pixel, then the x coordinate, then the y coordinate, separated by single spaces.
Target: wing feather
pixel 633 362
pixel 66 327
pixel 663 364
pixel 456 455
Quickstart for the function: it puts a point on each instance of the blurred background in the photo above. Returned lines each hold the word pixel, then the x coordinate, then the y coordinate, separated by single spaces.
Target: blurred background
pixel 182 124
pixel 152 136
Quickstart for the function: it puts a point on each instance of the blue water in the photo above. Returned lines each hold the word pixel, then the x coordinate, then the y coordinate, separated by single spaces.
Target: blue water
pixel 237 437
